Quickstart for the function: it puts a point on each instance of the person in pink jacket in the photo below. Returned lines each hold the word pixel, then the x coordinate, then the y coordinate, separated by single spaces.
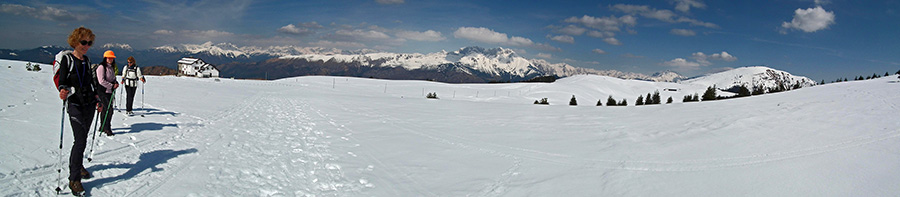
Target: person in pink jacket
pixel 106 77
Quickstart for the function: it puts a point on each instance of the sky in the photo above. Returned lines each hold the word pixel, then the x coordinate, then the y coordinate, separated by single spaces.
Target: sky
pixel 820 39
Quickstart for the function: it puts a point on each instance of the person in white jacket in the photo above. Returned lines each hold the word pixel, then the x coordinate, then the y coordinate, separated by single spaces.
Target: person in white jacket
pixel 106 76
pixel 129 78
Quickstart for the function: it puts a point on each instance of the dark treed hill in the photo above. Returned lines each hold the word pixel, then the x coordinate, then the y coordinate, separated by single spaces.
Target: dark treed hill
pixel 158 70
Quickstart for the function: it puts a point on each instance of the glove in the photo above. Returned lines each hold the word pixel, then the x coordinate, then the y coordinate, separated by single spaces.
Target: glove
pixel 115 85
pixel 142 80
pixel 63 94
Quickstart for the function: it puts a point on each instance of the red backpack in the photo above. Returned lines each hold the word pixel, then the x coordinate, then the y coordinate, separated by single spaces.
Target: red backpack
pixel 56 65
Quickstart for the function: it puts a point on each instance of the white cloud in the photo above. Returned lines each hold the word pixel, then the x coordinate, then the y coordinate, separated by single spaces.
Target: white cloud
pixel 562 38
pixel 330 44
pixel 724 56
pixel 291 29
pixel 163 32
pixel 612 41
pixel 389 1
pixel 683 32
pixel 313 24
pixel 662 15
pixel 486 35
pixel 810 20
pixel 598 34
pixel 572 30
pixel 599 51
pixel 45 13
pixel 206 34
pixel 822 2
pixel 546 47
pixel 429 35
pixel 681 62
pixel 610 23
pixel 701 59
pixel 685 5
pixel 363 34
pixel 544 55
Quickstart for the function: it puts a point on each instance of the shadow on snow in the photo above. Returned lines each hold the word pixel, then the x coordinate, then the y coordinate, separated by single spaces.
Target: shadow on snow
pixel 147 126
pixel 147 161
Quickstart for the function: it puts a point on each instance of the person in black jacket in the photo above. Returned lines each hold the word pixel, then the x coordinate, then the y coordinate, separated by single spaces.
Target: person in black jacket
pixel 76 87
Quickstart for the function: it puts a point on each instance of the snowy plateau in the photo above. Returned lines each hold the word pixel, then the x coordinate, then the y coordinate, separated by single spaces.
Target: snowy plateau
pixel 343 136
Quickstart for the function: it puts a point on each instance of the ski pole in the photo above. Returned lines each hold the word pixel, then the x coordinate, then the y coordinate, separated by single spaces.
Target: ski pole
pixel 62 126
pixel 142 97
pixel 103 124
pixel 94 138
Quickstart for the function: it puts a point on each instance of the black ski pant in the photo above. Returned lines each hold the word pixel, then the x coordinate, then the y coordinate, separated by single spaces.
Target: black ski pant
pixel 80 116
pixel 107 110
pixel 129 97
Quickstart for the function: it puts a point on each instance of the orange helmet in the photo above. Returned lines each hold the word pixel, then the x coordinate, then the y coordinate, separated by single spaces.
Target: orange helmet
pixel 109 53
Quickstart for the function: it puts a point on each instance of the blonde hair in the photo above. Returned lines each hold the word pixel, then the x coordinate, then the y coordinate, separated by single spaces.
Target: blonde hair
pixel 81 32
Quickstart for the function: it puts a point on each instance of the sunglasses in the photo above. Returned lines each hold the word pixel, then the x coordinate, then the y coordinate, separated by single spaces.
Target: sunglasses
pixel 87 43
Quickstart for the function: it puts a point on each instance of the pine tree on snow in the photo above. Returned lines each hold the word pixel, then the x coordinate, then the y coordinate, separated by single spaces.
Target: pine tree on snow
pixel 610 101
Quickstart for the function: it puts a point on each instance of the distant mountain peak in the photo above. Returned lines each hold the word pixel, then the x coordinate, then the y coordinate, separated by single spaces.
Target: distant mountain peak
pixel 117 46
pixel 751 76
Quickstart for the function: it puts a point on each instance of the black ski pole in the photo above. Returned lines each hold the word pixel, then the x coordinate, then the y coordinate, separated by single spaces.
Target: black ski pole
pixel 62 126
pixel 103 124
pixel 142 97
pixel 94 138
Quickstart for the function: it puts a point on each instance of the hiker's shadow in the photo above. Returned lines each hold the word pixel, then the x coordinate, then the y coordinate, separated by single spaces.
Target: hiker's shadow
pixel 147 161
pixel 152 111
pixel 147 126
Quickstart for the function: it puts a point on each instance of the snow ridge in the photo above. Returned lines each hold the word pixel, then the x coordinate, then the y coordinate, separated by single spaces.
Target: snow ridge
pixel 752 76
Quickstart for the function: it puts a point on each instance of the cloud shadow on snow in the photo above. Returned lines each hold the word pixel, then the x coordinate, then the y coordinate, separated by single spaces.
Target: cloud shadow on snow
pixel 146 161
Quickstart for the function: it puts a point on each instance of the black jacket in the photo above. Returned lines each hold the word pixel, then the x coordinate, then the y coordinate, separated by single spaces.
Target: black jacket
pixel 80 80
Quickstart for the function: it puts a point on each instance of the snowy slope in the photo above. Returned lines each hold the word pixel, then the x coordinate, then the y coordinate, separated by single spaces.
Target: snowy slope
pixel 336 136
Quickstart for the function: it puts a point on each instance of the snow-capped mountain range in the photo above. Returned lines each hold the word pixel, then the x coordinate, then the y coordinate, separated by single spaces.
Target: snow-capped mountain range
pixel 496 61
pixel 469 64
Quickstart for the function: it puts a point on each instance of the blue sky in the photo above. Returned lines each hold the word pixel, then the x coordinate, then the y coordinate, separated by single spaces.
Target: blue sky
pixel 821 39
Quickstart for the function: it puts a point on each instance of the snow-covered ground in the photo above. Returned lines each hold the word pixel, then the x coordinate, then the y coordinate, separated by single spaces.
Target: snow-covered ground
pixel 338 136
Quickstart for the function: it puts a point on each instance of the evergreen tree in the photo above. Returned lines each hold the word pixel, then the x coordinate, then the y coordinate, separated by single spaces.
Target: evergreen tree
pixel 572 101
pixel 886 74
pixel 648 100
pixel 743 91
pixel 823 82
pixel 710 93
pixel 600 102
pixel 696 97
pixel 687 98
pixel 640 101
pixel 757 90
pixel 898 72
pixel 669 101
pixel 623 103
pixel 656 99
pixel 610 101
